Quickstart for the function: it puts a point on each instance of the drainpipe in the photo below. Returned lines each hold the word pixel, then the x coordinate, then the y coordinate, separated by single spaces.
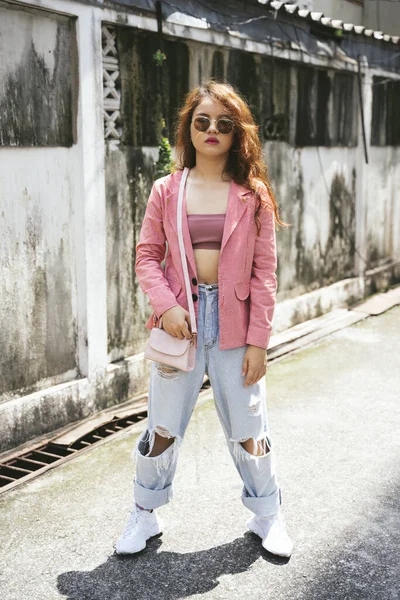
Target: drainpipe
pixel 362 171
pixel 360 94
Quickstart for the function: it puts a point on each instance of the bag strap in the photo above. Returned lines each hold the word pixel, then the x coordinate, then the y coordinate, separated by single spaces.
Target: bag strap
pixel 182 251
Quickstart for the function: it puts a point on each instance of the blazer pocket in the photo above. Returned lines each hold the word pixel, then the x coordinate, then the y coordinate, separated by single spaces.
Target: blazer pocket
pixel 242 290
pixel 175 286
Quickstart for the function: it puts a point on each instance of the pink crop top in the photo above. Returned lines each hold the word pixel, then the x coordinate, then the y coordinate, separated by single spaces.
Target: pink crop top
pixel 206 230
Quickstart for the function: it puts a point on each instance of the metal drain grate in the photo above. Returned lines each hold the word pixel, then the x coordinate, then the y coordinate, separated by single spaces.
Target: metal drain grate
pixel 25 466
pixel 30 464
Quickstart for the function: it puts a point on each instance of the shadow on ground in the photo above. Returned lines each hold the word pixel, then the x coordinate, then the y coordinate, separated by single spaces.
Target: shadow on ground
pixel 166 575
pixel 363 566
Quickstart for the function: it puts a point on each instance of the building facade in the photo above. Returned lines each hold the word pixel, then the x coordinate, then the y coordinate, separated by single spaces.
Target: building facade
pixel 82 98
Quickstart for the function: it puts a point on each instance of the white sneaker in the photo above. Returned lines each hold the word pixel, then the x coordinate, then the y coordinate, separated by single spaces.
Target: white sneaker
pixel 142 525
pixel 272 530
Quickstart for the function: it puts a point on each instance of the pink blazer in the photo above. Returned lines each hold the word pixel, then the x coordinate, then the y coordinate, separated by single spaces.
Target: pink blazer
pixel 246 273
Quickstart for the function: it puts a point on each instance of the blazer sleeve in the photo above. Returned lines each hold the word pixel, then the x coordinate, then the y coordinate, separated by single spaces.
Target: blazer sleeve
pixel 263 282
pixel 150 252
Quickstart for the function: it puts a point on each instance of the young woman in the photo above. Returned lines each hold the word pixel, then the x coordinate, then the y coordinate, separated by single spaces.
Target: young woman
pixel 229 238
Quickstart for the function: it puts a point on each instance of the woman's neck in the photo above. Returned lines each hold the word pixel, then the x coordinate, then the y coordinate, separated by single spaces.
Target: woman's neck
pixel 209 169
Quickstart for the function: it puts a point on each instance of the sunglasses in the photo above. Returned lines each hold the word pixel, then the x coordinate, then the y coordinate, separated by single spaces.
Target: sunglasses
pixel 224 125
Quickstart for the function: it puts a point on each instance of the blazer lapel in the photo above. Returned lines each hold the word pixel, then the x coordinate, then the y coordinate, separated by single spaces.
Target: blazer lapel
pixel 236 208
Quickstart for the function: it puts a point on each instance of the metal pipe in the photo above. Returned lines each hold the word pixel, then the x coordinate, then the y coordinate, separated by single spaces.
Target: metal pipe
pixel 362 108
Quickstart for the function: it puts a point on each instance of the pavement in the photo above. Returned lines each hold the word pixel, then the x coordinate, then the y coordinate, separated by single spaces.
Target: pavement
pixel 334 418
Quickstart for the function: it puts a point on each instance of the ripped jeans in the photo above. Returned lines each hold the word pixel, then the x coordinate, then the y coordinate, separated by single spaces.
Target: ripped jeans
pixel 242 412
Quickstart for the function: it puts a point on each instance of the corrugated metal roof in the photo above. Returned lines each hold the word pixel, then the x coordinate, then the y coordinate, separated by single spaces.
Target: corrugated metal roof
pixel 293 9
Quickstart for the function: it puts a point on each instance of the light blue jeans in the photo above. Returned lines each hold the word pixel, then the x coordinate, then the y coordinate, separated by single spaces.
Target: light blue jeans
pixel 242 412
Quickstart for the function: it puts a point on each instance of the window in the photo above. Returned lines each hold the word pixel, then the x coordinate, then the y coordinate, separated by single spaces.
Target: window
pixel 313 92
pixel 217 70
pixel 344 126
pixel 265 84
pixel 274 92
pixel 326 108
pixel 242 73
pixel 385 126
pixel 142 104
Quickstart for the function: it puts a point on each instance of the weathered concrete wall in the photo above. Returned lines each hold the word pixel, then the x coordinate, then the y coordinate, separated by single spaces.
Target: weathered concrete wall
pixel 314 251
pixel 382 210
pixel 36 82
pixel 52 244
pixel 70 303
pixel 38 286
pixel 129 176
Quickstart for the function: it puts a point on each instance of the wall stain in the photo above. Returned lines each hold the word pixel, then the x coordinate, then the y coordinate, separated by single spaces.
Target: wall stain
pixel 126 206
pixel 36 107
pixel 338 259
pixel 47 347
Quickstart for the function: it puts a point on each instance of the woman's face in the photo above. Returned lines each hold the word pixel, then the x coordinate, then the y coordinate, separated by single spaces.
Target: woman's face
pixel 211 142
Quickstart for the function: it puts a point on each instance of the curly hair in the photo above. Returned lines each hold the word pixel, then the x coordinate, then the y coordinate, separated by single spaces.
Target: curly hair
pixel 245 163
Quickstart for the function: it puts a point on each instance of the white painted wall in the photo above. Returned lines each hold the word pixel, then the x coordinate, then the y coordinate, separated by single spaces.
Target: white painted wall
pixel 380 15
pixel 56 195
pixel 20 30
pixel 38 307
pixel 349 12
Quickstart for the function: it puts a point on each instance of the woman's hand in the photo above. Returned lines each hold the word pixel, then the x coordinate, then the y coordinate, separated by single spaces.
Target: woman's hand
pixel 254 364
pixel 176 322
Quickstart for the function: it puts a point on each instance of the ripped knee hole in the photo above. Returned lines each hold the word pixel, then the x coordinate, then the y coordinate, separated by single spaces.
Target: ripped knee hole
pixel 162 432
pixel 166 371
pixel 256 447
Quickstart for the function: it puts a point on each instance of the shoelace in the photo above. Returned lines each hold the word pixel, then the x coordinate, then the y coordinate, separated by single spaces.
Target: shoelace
pixel 133 519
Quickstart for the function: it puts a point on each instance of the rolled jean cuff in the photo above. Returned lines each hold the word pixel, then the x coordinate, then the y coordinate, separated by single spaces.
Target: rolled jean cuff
pixel 263 506
pixel 152 498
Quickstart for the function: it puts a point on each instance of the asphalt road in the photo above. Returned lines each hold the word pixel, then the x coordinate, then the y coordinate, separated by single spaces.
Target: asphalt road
pixel 334 417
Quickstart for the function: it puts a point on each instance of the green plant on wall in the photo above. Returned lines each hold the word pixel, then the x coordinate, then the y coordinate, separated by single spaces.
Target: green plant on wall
pixel 164 163
pixel 159 58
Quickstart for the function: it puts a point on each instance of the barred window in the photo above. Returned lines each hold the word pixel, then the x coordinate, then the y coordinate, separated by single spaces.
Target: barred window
pixel 326 108
pixel 344 125
pixel 265 84
pixel 274 91
pixel 313 93
pixel 217 70
pixel 142 104
pixel 385 125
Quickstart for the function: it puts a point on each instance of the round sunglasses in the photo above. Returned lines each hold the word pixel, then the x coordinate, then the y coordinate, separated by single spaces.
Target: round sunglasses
pixel 224 125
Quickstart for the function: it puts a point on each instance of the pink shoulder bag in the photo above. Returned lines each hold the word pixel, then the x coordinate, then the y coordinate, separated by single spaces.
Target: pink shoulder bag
pixel 162 346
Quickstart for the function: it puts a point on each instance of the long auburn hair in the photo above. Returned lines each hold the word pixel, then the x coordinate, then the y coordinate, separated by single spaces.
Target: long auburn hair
pixel 245 163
